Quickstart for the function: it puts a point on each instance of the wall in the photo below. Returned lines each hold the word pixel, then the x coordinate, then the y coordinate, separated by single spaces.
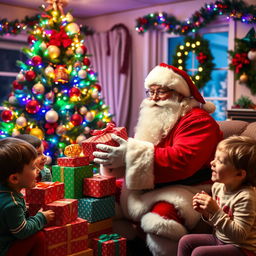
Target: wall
pixel 181 10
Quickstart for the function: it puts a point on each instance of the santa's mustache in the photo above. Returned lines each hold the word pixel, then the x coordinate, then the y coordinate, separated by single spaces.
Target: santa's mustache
pixel 160 103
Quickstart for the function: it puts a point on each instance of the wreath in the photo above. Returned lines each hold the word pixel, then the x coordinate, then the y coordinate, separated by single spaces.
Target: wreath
pixel 243 60
pixel 200 47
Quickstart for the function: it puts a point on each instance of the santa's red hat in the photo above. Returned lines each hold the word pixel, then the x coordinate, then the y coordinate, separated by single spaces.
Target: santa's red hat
pixel 178 80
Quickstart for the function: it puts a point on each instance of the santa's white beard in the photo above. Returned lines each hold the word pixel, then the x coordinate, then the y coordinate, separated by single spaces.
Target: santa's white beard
pixel 156 119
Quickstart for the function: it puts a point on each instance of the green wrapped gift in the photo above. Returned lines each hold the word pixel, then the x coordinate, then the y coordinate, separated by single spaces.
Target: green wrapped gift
pixel 96 209
pixel 73 178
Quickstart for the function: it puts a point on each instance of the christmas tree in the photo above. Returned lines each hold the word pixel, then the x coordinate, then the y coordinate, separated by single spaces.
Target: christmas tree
pixel 55 96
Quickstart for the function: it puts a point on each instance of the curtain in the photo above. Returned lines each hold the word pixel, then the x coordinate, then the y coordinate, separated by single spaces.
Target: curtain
pixel 111 59
pixel 154 49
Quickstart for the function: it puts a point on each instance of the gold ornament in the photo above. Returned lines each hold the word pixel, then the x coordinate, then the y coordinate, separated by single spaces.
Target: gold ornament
pixel 243 78
pixel 69 52
pixel 69 17
pixel 73 150
pixel 61 74
pixel 72 28
pixel 37 132
pixel 53 51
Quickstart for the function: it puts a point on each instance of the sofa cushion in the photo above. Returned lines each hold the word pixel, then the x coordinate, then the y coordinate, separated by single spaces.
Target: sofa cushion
pixel 233 127
pixel 250 130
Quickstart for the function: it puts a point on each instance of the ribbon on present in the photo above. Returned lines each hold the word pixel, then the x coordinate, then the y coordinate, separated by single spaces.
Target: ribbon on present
pixel 62 173
pixel 109 129
pixel 47 185
pixel 108 237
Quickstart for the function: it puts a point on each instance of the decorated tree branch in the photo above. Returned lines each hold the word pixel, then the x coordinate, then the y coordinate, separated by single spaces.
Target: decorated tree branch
pixel 243 60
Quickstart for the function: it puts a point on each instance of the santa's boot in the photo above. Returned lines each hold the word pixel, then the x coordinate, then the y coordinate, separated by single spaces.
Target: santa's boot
pixel 163 220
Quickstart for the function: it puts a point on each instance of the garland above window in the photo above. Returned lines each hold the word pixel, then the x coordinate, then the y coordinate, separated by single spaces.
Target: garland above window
pixel 235 9
pixel 244 60
pixel 200 47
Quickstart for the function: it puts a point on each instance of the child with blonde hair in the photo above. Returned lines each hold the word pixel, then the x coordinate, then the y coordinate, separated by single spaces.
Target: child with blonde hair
pixel 231 210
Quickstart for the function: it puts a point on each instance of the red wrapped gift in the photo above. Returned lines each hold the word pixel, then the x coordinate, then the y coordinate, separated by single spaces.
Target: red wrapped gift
pixel 66 211
pixel 45 192
pixel 99 186
pixel 102 137
pixel 68 239
pixel 73 161
pixel 109 245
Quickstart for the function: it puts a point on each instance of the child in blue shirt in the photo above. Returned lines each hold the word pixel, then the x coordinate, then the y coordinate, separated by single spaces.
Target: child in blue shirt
pixel 44 173
pixel 19 234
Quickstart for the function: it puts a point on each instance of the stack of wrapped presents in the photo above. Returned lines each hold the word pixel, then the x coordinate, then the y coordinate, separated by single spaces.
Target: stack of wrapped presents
pixel 83 202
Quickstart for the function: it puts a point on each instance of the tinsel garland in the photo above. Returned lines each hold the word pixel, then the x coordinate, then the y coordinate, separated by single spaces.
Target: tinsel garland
pixel 203 54
pixel 235 9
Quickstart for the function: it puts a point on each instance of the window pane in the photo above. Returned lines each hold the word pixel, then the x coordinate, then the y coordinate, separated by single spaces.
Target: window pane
pixel 172 44
pixel 218 43
pixel 9 58
pixel 220 113
pixel 217 86
pixel 5 87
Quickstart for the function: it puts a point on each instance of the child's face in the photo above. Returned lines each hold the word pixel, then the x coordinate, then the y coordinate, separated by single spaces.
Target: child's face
pixel 41 158
pixel 222 170
pixel 27 179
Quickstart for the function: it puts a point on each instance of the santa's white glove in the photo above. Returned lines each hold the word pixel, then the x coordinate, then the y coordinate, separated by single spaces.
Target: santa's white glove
pixel 113 157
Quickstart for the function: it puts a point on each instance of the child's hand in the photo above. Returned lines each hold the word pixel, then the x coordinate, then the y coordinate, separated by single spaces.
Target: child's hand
pixel 49 215
pixel 205 203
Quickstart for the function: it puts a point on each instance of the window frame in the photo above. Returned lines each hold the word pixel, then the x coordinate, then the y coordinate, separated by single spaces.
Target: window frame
pixel 221 24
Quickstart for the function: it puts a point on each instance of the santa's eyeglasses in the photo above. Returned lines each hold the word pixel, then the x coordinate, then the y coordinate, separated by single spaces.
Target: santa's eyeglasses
pixel 158 93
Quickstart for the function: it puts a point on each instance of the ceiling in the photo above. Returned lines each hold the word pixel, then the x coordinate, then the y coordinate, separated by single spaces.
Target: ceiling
pixel 89 8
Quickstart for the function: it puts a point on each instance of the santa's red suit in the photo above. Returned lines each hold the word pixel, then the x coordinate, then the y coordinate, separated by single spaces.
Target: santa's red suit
pixel 166 166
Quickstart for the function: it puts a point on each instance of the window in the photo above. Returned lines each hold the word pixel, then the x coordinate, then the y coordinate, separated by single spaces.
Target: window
pixel 10 52
pixel 217 89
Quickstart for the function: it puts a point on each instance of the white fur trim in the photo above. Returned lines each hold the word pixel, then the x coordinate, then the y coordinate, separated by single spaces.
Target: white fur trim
pixel 137 203
pixel 154 223
pixel 209 107
pixel 161 246
pixel 167 78
pixel 139 165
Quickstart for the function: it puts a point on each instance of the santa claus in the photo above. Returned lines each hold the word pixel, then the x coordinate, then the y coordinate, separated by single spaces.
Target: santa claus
pixel 167 161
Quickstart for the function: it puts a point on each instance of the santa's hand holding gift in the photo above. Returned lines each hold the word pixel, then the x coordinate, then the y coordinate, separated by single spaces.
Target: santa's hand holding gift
pixel 167 161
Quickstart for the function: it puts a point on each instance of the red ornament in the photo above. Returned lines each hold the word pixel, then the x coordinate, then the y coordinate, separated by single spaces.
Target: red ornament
pixel 36 60
pixel 30 75
pixel 7 115
pixel 74 92
pixel 100 124
pixel 50 128
pixel 31 39
pixel 86 61
pixel 32 107
pixel 76 119
pixel 45 144
pixel 98 87
pixel 84 48
pixel 16 85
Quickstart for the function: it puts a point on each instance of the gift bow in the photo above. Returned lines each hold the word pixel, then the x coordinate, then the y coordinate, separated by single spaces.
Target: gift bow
pixel 108 237
pixel 73 150
pixel 109 129
pixel 56 5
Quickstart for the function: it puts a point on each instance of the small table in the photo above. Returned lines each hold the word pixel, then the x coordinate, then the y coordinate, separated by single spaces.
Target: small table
pixel 248 115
